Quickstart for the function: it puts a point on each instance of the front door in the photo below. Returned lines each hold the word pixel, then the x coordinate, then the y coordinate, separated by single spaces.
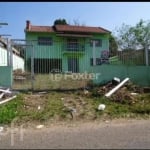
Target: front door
pixel 73 65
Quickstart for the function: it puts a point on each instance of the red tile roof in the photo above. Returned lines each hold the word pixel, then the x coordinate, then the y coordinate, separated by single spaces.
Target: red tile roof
pixel 40 29
pixel 85 29
pixel 66 28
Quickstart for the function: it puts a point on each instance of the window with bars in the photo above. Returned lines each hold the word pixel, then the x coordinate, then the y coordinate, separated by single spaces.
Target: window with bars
pixel 72 44
pixel 98 42
pixel 45 41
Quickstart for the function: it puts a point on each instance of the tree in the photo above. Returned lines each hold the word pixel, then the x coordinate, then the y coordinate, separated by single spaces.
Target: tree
pixel 134 37
pixel 60 22
pixel 125 37
pixel 113 47
pixel 142 33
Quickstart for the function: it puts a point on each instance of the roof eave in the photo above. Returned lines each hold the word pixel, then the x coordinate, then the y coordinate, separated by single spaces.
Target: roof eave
pixel 107 31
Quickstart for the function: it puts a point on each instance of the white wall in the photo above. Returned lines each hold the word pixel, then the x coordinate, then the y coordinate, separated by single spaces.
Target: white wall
pixel 18 62
pixel 3 57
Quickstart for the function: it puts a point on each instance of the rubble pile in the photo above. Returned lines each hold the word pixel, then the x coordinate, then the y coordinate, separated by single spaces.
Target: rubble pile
pixel 125 94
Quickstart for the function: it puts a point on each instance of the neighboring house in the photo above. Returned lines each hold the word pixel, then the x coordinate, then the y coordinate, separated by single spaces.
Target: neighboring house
pixel 66 47
pixel 18 62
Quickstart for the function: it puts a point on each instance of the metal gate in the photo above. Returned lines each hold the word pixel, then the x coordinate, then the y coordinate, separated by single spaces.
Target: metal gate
pixel 22 75
pixel 48 67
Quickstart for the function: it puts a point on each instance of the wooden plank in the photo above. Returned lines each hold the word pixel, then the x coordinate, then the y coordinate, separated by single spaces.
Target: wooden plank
pixel 1 95
pixel 5 91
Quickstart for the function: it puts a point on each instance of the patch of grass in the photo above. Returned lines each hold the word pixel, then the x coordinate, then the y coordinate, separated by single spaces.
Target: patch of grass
pixel 143 105
pixel 118 110
pixel 10 110
pixel 112 110
pixel 53 109
pixel 141 109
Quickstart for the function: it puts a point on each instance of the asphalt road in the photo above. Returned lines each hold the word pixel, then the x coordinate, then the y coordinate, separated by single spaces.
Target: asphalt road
pixel 124 134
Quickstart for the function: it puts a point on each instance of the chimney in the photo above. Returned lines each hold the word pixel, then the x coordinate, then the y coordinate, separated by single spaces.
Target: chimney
pixel 28 25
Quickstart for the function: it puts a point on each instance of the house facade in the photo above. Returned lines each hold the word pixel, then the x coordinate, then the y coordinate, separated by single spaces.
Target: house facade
pixel 66 47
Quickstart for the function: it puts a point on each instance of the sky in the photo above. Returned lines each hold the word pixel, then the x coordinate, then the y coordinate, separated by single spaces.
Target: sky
pixel 109 15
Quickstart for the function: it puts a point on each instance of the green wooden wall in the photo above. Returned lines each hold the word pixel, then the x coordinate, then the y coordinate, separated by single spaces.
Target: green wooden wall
pixel 138 74
pixel 6 76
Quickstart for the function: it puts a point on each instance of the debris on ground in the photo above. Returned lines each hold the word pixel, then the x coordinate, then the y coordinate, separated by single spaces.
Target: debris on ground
pixel 146 89
pixel 74 106
pixel 39 126
pixel 62 98
pixel 101 107
pixel 72 112
pixel 34 102
pixel 1 129
pixel 86 91
pixel 39 107
pixel 116 88
pixel 6 95
pixel 43 92
pixel 115 81
pixel 106 121
pixel 134 93
pixel 125 94
pixel 8 99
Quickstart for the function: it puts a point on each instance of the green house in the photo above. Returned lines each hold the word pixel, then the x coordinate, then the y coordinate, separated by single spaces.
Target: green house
pixel 66 48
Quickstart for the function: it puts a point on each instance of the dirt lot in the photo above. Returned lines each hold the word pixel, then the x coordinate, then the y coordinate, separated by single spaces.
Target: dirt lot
pixel 130 101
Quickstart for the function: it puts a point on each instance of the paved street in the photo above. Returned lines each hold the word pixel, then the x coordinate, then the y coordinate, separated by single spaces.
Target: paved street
pixel 123 134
